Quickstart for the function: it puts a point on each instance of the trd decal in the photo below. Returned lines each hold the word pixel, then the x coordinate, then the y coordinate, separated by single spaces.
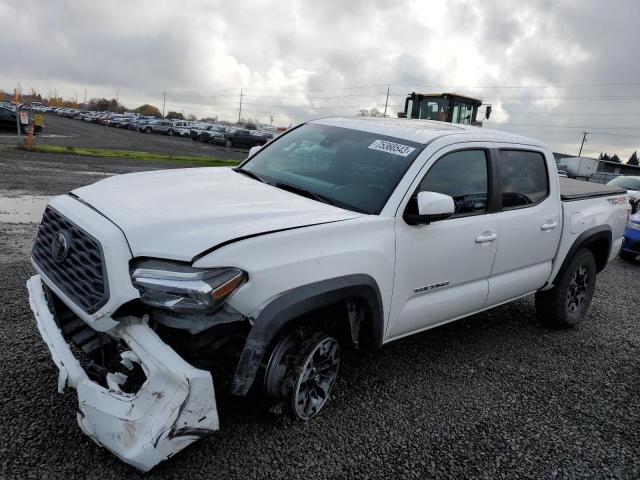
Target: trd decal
pixel 430 287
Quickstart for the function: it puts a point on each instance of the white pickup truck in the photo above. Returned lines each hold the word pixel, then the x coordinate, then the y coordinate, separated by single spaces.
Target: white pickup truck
pixel 343 233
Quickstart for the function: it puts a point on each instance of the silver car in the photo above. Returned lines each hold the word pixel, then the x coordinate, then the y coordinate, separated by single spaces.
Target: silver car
pixel 158 126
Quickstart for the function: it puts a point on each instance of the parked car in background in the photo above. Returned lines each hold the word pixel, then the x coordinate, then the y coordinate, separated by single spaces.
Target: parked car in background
pixel 122 122
pixel 157 126
pixel 631 245
pixel 632 184
pixel 246 138
pixel 8 118
pixel 179 128
pixel 215 134
pixel 196 129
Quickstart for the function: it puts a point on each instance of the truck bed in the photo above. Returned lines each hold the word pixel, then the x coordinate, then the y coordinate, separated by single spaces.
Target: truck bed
pixel 571 190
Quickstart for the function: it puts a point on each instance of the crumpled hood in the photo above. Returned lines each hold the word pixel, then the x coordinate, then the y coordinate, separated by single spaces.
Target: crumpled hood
pixel 178 214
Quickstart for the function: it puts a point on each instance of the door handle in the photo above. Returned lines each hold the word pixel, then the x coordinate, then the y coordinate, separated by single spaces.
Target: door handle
pixel 486 237
pixel 549 225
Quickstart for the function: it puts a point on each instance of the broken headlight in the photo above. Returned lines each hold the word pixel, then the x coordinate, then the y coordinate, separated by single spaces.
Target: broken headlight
pixel 185 289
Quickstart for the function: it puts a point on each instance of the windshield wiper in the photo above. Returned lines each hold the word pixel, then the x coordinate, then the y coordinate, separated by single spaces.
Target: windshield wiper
pixel 304 192
pixel 248 174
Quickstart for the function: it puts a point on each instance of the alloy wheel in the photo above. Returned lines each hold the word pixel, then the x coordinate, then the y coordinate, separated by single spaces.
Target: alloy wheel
pixel 577 289
pixel 316 379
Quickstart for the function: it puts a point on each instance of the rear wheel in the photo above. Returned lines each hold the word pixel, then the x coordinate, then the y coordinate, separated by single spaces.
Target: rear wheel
pixel 567 303
pixel 302 371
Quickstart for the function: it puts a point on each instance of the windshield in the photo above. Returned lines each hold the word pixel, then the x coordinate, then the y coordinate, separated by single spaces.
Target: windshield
pixel 630 183
pixel 350 168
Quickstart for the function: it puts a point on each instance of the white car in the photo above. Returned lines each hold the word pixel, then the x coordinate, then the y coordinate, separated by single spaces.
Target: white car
pixel 342 231
pixel 180 128
pixel 631 184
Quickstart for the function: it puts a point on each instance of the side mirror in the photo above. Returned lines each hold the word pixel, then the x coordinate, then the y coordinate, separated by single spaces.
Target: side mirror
pixel 432 206
pixel 487 112
pixel 254 150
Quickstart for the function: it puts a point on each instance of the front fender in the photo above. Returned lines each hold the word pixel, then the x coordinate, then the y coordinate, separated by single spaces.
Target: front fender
pixel 295 303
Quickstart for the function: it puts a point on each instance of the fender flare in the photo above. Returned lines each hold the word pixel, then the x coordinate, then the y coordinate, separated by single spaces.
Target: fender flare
pixel 601 232
pixel 295 303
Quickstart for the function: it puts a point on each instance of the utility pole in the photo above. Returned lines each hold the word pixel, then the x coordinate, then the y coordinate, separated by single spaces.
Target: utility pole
pixel 584 138
pixel 164 100
pixel 85 96
pixel 76 98
pixel 240 109
pixel 386 102
pixel 17 98
pixel 117 98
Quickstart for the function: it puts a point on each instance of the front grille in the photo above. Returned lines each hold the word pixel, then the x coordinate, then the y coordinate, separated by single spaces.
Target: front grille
pixel 81 273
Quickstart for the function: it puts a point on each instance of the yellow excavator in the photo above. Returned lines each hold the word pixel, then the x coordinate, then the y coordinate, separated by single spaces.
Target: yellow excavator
pixel 444 107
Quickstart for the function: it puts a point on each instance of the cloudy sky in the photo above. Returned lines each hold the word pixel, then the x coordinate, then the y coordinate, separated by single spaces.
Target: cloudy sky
pixel 550 68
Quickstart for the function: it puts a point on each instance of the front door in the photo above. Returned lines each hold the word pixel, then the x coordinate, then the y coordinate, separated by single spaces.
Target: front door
pixel 442 268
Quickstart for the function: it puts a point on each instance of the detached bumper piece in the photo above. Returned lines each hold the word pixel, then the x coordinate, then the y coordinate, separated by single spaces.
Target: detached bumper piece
pixel 174 406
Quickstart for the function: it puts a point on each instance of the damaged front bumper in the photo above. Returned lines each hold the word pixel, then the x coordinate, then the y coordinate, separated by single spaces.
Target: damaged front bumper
pixel 174 407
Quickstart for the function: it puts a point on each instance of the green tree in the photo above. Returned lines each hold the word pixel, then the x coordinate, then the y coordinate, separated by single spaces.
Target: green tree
pixel 148 110
pixel 174 116
pixel 615 158
pixel 105 105
pixel 633 159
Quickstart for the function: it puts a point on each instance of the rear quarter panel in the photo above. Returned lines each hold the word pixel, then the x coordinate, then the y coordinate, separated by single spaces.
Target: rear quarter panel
pixel 582 215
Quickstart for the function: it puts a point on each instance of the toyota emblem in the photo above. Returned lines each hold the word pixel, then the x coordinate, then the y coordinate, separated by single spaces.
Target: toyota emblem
pixel 60 246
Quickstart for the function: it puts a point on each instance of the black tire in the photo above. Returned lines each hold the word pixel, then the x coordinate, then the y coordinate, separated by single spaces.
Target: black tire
pixel 627 256
pixel 147 130
pixel 566 304
pixel 301 373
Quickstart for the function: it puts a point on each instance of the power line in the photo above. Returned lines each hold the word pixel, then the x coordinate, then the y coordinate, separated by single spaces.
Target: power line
pixel 550 85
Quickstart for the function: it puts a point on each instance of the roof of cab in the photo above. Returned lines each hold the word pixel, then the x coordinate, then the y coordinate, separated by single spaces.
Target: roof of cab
pixel 423 131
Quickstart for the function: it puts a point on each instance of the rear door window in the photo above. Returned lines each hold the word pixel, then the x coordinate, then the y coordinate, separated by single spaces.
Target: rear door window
pixel 523 177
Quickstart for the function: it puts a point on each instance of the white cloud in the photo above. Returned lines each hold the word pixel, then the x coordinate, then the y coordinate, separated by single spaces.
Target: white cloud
pixel 292 58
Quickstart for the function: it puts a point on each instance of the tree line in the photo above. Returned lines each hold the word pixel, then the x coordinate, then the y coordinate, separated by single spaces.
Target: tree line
pixel 633 159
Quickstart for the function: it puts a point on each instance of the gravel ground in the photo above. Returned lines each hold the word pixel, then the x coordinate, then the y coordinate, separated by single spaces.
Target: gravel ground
pixel 492 396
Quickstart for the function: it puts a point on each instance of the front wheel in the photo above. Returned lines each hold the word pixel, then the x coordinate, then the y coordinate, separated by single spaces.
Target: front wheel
pixel 566 304
pixel 302 371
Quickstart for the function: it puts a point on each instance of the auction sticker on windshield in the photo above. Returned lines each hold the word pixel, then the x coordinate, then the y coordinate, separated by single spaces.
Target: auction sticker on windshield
pixel 390 147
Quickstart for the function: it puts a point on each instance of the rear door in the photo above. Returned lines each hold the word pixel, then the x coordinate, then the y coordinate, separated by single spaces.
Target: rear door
pixel 530 222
